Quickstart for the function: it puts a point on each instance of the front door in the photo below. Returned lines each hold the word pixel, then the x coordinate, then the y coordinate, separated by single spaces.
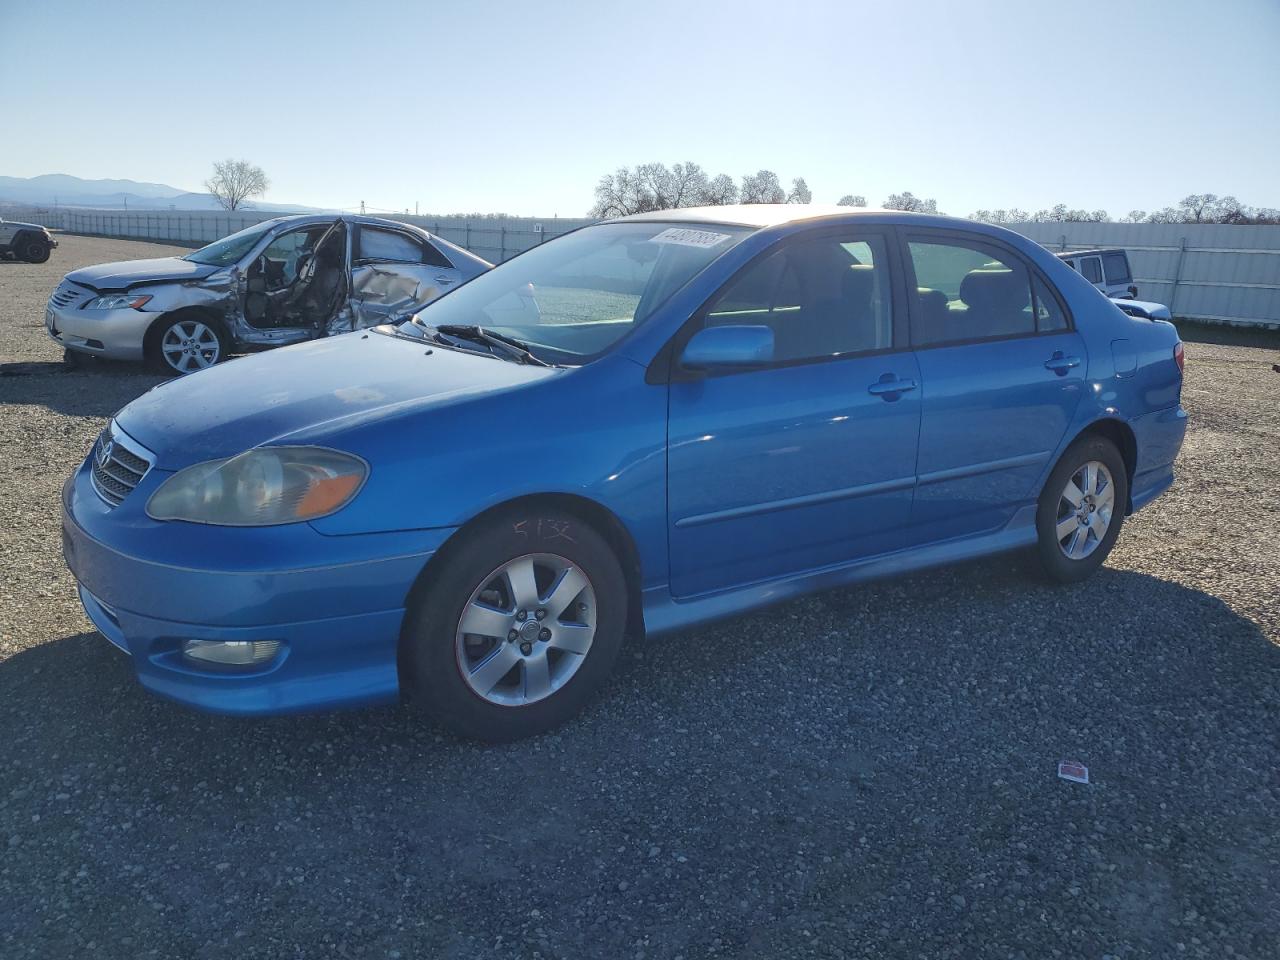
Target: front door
pixel 809 461
pixel 1003 374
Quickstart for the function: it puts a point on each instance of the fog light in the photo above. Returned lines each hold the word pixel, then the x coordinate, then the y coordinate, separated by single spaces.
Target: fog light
pixel 231 653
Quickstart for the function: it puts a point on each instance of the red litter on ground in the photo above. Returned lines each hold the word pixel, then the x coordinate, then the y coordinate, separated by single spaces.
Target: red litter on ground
pixel 1073 771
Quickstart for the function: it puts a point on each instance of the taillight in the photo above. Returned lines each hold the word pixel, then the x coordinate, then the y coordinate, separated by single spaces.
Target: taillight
pixel 1180 357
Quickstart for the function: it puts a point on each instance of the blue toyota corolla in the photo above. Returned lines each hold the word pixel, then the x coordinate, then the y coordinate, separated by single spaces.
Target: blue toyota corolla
pixel 637 427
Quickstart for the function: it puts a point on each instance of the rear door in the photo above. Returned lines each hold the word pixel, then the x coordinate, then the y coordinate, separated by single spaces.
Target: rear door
pixel 1003 373
pixel 394 272
pixel 809 461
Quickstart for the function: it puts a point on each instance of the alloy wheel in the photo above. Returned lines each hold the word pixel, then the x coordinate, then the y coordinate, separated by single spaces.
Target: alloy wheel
pixel 190 345
pixel 1085 509
pixel 526 630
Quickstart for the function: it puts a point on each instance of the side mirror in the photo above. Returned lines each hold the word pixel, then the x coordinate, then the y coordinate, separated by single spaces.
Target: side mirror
pixel 728 346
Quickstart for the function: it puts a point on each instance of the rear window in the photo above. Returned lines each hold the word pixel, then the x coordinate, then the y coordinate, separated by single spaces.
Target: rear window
pixel 1116 267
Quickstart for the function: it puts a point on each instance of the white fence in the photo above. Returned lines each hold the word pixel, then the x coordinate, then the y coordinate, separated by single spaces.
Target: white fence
pixel 1218 273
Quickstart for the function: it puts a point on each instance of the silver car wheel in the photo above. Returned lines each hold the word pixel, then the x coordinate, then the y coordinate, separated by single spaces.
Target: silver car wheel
pixel 526 630
pixel 1085 509
pixel 190 345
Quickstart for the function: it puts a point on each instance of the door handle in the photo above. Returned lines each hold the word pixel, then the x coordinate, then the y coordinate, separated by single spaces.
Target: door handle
pixel 1060 363
pixel 889 387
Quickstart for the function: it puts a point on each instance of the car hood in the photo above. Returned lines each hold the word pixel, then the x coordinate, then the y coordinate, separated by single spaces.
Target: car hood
pixel 309 393
pixel 118 276
pixel 19 223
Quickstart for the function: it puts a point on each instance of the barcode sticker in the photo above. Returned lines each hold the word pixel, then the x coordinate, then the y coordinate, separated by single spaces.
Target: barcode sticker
pixel 689 238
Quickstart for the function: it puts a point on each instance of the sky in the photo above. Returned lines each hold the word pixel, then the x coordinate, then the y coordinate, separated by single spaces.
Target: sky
pixel 521 107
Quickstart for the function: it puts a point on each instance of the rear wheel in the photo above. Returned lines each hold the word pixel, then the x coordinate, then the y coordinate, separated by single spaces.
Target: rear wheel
pixel 520 626
pixel 34 250
pixel 185 343
pixel 1081 510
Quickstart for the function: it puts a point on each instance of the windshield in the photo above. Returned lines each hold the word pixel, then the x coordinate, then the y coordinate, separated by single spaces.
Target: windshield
pixel 228 250
pixel 570 299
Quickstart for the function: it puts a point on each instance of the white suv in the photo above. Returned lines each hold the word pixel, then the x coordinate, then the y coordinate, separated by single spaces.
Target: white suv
pixel 25 241
pixel 1108 270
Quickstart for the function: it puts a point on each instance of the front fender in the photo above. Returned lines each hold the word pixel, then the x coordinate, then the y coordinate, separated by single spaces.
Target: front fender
pixel 597 432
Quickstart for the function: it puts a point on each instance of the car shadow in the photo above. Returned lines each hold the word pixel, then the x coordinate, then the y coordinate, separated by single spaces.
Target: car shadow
pixel 1224 335
pixel 944 699
pixel 98 390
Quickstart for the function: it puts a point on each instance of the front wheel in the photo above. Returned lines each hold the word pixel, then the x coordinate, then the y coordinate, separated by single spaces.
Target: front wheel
pixel 1081 510
pixel 185 343
pixel 520 627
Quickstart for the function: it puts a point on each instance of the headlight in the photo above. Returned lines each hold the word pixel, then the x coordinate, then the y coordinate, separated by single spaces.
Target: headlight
pixel 116 301
pixel 265 486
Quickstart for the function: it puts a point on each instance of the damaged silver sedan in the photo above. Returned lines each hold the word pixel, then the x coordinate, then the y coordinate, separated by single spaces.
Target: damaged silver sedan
pixel 278 282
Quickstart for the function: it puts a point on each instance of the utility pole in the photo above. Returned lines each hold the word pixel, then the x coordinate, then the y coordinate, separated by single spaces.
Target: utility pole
pixel 361 208
pixel 415 208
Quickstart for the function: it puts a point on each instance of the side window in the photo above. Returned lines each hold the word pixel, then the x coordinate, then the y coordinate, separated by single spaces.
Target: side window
pixel 822 297
pixel 969 292
pixel 285 251
pixel 431 255
pixel 1116 267
pixel 377 244
pixel 1091 269
pixel 1049 315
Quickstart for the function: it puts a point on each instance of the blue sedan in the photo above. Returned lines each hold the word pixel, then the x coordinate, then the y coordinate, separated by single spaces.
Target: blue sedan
pixel 638 427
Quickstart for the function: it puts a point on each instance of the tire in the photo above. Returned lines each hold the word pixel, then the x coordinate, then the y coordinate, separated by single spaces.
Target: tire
pixel 185 342
pixel 1073 540
pixel 484 577
pixel 34 250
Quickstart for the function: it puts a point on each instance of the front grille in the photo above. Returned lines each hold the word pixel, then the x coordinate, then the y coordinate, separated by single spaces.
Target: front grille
pixel 119 464
pixel 65 294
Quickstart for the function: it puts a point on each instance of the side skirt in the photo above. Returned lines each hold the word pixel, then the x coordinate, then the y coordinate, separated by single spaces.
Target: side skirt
pixel 664 614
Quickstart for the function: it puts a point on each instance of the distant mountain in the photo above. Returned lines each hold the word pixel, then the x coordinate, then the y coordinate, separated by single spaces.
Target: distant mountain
pixel 69 191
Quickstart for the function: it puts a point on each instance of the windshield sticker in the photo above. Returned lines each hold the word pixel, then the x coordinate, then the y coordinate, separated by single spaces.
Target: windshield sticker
pixel 689 238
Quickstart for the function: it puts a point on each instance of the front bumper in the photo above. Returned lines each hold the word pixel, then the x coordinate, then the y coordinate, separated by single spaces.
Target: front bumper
pixel 335 604
pixel 114 334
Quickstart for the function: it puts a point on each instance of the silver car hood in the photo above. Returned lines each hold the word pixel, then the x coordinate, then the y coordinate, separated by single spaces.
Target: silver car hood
pixel 119 276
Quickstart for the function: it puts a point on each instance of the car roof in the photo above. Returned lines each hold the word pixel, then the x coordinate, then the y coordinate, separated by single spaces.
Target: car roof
pixel 299 219
pixel 763 215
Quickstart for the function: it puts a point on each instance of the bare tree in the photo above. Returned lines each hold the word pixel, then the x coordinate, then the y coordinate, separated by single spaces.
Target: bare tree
pixel 800 192
pixel 621 194
pixel 1061 213
pixel 655 186
pixel 235 181
pixel 1012 215
pixel 681 185
pixel 852 200
pixel 720 191
pixel 910 203
pixel 762 187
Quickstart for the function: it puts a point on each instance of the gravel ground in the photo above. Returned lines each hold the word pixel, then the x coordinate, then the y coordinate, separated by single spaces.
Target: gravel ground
pixel 867 773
